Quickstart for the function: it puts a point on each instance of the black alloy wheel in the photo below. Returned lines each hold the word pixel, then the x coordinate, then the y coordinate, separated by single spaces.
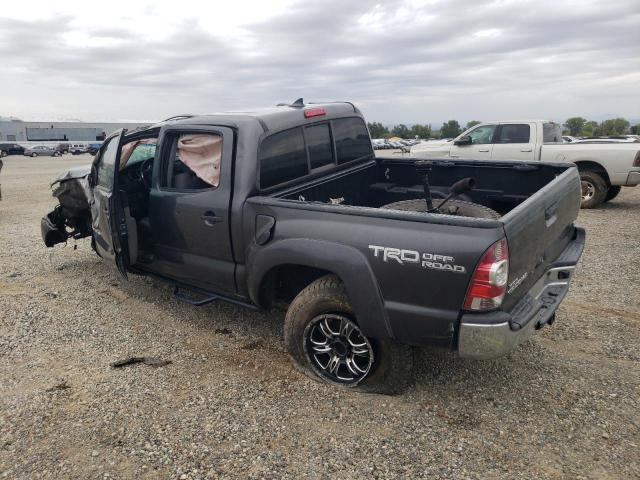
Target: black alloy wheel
pixel 337 349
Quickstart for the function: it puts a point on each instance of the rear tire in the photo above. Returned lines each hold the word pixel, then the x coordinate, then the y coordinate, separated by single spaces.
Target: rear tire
pixel 452 207
pixel 594 189
pixel 612 193
pixel 383 366
pixel 3 153
pixel 34 155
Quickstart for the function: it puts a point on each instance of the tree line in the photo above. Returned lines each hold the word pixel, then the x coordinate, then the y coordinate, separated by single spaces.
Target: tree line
pixel 581 127
pixel 575 126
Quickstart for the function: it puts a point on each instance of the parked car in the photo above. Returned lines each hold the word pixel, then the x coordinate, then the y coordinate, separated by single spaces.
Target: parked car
pixel 62 148
pixel 78 148
pixel 378 144
pixel 41 151
pixel 93 148
pixel 10 149
pixel 604 168
pixel 291 205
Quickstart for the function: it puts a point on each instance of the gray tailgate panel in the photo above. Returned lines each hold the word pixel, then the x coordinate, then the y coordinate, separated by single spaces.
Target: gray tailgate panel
pixel 538 230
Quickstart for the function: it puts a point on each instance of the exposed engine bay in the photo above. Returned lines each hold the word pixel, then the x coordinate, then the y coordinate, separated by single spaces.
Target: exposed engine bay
pixel 71 218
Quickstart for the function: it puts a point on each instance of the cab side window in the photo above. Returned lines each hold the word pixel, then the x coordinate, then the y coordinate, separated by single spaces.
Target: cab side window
pixel 482 135
pixel 514 133
pixel 194 161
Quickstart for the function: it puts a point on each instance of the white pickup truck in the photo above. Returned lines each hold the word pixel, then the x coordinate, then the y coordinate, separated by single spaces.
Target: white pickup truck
pixel 604 168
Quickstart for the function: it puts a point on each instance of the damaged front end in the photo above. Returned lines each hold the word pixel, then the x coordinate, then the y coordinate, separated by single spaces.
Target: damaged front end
pixel 72 217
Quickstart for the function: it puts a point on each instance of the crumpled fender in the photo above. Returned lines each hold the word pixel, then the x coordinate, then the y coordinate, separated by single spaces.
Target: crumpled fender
pixel 72 189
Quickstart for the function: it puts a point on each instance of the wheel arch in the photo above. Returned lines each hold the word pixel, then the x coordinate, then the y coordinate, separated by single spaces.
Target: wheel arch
pixel 591 166
pixel 298 262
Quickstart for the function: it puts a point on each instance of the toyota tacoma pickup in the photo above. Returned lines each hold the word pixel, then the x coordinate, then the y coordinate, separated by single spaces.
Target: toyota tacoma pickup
pixel 604 168
pixel 290 206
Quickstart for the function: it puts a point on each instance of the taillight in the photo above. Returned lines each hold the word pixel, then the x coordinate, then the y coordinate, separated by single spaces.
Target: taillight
pixel 489 282
pixel 314 112
pixel 636 161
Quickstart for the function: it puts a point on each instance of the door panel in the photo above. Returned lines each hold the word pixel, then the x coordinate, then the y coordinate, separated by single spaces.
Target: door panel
pixel 190 226
pixel 103 178
pixel 480 148
pixel 515 141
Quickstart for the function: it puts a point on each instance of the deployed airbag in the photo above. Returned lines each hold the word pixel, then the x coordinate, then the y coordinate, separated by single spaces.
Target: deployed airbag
pixel 202 154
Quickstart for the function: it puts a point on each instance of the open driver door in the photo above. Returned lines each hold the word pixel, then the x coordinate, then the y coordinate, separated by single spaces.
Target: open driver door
pixel 114 230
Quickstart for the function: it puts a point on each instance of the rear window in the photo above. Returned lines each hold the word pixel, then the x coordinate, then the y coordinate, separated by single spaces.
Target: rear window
pixel 292 154
pixel 514 133
pixel 352 139
pixel 551 132
pixel 283 157
pixel 319 144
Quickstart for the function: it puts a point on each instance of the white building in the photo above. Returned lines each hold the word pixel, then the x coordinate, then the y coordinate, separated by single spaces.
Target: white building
pixel 14 130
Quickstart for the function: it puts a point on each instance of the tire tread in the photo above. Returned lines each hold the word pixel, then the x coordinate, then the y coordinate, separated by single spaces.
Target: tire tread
pixel 393 369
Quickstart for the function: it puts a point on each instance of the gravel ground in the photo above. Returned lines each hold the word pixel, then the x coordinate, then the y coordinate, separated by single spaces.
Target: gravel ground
pixel 563 405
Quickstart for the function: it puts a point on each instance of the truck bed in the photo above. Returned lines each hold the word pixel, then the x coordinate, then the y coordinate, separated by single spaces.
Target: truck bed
pixel 538 204
pixel 501 186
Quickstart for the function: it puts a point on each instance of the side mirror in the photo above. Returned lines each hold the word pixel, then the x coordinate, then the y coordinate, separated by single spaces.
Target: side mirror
pixel 466 140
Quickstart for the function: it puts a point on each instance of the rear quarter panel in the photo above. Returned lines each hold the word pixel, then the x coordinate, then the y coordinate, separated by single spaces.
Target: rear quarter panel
pixel 393 260
pixel 616 159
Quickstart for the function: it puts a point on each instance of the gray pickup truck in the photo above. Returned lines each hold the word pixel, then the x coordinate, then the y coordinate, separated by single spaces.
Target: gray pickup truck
pixel 289 205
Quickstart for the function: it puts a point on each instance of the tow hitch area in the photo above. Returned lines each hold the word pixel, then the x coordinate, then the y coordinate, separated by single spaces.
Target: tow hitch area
pixel 549 321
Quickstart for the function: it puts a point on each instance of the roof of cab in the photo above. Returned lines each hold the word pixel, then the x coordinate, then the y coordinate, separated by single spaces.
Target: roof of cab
pixel 276 118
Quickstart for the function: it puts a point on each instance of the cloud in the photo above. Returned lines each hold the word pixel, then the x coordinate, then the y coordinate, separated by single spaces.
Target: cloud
pixel 401 61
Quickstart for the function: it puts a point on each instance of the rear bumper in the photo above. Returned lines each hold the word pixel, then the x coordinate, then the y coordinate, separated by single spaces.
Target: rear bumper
pixel 493 334
pixel 633 179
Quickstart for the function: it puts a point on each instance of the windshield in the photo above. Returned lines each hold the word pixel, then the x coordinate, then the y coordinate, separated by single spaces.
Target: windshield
pixel 137 151
pixel 142 152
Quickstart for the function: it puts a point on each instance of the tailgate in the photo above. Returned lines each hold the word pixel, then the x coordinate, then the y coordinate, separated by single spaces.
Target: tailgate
pixel 538 230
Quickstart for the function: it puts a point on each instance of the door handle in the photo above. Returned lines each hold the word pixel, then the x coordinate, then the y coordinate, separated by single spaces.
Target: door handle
pixel 210 219
pixel 526 150
pixel 485 150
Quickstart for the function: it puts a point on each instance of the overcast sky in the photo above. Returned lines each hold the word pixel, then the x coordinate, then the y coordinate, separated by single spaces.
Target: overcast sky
pixel 400 61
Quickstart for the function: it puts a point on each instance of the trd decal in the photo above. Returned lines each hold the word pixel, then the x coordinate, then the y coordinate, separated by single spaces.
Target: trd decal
pixel 433 261
pixel 516 283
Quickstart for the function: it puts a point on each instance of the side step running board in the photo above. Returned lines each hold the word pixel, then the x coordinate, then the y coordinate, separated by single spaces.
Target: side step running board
pixel 197 297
